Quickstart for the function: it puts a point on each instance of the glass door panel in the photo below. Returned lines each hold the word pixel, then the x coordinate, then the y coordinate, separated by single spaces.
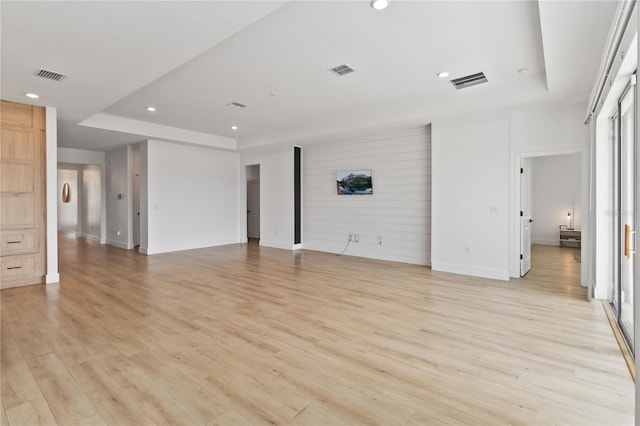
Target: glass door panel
pixel 617 241
pixel 627 213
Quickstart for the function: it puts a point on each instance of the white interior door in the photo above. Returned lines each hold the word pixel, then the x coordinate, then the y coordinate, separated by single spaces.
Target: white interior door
pixel 525 215
pixel 253 208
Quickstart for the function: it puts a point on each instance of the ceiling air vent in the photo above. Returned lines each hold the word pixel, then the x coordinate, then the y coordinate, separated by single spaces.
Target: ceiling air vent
pixel 469 80
pixel 342 70
pixel 236 105
pixel 49 75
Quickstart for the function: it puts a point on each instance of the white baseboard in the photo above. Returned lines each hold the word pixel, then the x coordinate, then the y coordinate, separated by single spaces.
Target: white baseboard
pixel 555 242
pixel 276 244
pixel 149 250
pixel 91 237
pixel 52 278
pixel 496 274
pixel 119 244
pixel 367 252
pixel 69 232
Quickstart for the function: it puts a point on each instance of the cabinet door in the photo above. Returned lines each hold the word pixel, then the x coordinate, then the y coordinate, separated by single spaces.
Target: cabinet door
pixel 22 180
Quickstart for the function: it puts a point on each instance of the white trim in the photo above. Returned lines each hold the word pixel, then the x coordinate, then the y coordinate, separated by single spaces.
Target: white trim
pixel 492 273
pixel 119 244
pixel 183 247
pixel 70 232
pixel 91 237
pixel 51 171
pixel 297 246
pixel 546 242
pixel 276 244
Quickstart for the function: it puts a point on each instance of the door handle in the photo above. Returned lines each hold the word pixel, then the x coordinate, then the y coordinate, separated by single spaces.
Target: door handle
pixel 628 232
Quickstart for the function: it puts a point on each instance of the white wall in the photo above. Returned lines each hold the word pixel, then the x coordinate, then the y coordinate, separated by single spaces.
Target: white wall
pixel 92 202
pixel 557 190
pixel 68 212
pixel 470 186
pixel 119 204
pixel 191 197
pixel 398 211
pixel 276 195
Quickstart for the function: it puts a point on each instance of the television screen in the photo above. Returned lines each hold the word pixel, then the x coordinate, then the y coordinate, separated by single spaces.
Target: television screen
pixel 354 182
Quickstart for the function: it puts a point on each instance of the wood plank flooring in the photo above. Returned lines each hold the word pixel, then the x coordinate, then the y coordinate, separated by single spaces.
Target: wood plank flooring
pixel 242 335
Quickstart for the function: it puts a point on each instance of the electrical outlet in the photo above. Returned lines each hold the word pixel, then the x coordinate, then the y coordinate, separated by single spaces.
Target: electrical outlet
pixel 350 237
pixel 467 250
pixel 356 238
pixel 379 240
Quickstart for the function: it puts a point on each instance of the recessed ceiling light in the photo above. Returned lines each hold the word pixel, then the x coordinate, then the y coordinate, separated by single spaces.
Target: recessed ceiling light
pixel 443 74
pixel 379 4
pixel 234 127
pixel 151 109
pixel 523 71
pixel 32 95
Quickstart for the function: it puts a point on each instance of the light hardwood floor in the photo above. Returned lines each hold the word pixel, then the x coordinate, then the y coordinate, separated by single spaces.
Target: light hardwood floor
pixel 246 335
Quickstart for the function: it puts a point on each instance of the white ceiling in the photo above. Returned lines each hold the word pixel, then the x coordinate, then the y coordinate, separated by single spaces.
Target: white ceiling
pixel 190 59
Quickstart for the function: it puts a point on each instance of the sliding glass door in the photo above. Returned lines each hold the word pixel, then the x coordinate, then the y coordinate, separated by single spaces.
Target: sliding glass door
pixel 625 221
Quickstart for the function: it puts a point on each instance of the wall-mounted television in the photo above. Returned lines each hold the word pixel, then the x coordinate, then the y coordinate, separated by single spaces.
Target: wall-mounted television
pixel 354 182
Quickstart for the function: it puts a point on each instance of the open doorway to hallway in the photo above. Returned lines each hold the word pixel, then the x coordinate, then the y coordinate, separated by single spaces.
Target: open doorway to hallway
pixel 81 215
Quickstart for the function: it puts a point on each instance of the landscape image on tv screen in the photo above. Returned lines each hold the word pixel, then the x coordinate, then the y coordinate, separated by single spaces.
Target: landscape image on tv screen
pixel 354 182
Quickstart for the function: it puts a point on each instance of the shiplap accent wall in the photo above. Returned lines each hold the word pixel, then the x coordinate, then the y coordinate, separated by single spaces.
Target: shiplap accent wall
pixel 399 210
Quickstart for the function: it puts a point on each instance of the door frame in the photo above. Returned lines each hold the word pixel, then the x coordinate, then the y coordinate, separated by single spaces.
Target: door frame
pixel 630 337
pixel 515 209
pixel 252 181
pixel 242 200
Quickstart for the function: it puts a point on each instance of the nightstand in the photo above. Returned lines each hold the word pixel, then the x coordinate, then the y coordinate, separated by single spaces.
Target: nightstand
pixel 570 237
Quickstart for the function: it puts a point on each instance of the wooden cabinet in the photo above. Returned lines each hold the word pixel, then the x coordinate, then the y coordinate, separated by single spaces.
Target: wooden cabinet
pixel 22 203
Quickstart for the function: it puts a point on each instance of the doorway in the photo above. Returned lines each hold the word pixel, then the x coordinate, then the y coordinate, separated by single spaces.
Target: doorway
pixel 550 205
pixel 135 157
pixel 68 213
pixel 253 202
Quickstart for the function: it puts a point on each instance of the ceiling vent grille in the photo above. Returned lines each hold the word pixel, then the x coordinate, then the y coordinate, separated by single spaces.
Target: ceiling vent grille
pixel 342 70
pixel 49 75
pixel 236 105
pixel 469 80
